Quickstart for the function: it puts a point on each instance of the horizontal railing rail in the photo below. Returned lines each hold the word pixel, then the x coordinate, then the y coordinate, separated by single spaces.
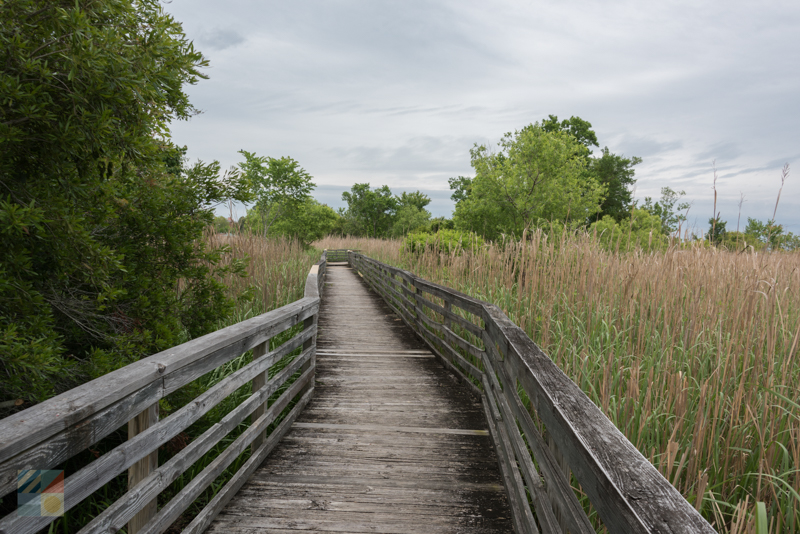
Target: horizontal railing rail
pixel 46 435
pixel 540 445
pixel 338 254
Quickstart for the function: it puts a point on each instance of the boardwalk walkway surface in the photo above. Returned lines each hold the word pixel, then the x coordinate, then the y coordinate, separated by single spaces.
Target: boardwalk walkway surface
pixel 391 442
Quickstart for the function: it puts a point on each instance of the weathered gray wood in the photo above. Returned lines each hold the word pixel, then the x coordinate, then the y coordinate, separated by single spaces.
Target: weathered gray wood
pixel 544 510
pixel 292 316
pixel 141 469
pixel 258 382
pixel 120 511
pixel 55 430
pixel 508 469
pixel 456 298
pixel 173 509
pixel 90 478
pixel 452 337
pixel 30 427
pixel 450 316
pixel 67 443
pixel 559 491
pixel 452 356
pixel 627 491
pixel 385 418
pixel 629 494
pixel 201 522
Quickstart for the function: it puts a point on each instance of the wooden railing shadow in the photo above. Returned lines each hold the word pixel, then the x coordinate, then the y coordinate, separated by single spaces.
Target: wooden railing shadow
pixel 46 435
pixel 541 445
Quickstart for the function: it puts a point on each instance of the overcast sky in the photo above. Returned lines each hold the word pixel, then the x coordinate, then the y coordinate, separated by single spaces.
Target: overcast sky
pixel 396 92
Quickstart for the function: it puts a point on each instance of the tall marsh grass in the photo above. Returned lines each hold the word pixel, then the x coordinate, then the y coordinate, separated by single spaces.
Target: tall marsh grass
pixel 692 353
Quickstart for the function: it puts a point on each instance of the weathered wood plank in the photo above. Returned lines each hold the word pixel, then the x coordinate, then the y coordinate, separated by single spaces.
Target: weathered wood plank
pixel 558 487
pixel 200 523
pixel 28 428
pixel 629 494
pixel 67 443
pixel 81 484
pixel 173 509
pixel 118 513
pixel 516 448
pixel 450 316
pixel 387 420
pixel 141 469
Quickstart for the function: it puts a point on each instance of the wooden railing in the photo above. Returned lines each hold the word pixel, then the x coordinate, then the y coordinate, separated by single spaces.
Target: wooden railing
pixel 339 254
pixel 540 444
pixel 46 435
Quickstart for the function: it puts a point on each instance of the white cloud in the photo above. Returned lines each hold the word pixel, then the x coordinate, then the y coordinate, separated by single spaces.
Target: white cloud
pixel 397 92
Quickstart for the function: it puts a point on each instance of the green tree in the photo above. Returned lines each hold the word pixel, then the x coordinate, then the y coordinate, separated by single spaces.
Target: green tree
pixel 278 185
pixel 307 222
pixel 410 213
pixel 222 225
pixel 641 230
pixel 370 211
pixel 535 177
pixel 416 200
pixel 716 230
pixel 576 127
pixel 668 209
pixel 461 187
pixel 99 217
pixel 616 174
pixel 610 170
pixel 769 234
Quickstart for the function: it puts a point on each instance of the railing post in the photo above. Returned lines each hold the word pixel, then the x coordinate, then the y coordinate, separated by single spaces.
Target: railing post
pixel 258 382
pixel 447 321
pixel 310 342
pixel 138 471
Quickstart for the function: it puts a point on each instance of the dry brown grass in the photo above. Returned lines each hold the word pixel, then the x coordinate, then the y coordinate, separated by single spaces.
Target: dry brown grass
pixel 692 353
pixel 277 269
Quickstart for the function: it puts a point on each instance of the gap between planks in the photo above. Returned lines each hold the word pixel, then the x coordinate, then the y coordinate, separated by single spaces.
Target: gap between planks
pixel 388 428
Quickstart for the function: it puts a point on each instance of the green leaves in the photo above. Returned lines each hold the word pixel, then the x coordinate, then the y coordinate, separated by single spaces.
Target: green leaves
pixel 278 185
pixel 536 176
pixel 370 211
pixel 101 223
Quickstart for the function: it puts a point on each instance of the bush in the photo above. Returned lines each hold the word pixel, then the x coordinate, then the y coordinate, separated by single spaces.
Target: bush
pixel 643 231
pixel 444 241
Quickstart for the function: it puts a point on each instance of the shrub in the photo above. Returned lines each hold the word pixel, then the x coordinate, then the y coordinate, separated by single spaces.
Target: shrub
pixel 444 241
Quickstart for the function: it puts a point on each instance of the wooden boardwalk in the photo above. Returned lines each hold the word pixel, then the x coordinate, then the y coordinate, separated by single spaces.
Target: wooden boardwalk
pixel 390 443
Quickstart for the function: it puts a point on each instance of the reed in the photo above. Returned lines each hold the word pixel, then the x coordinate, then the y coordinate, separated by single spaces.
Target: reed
pixel 692 353
pixel 276 271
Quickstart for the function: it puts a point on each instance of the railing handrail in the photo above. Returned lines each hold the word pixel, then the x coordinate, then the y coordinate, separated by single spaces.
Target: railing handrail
pixel 628 492
pixel 49 433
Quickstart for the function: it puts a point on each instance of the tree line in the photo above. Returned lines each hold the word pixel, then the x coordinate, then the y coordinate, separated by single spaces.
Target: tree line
pixel 545 175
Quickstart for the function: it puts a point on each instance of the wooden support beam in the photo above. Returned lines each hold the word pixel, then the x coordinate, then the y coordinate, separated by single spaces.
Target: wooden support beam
pixel 258 382
pixel 139 471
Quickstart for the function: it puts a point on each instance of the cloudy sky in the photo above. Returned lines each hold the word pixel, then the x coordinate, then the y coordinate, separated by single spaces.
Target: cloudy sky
pixel 396 92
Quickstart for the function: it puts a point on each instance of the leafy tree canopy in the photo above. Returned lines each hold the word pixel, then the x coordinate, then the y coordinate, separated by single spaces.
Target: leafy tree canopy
pixel 668 209
pixel 307 222
pixel 416 199
pixel 578 128
pixel 99 216
pixel 278 185
pixel 613 172
pixel 370 211
pixel 616 174
pixel 536 176
pixel 461 187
